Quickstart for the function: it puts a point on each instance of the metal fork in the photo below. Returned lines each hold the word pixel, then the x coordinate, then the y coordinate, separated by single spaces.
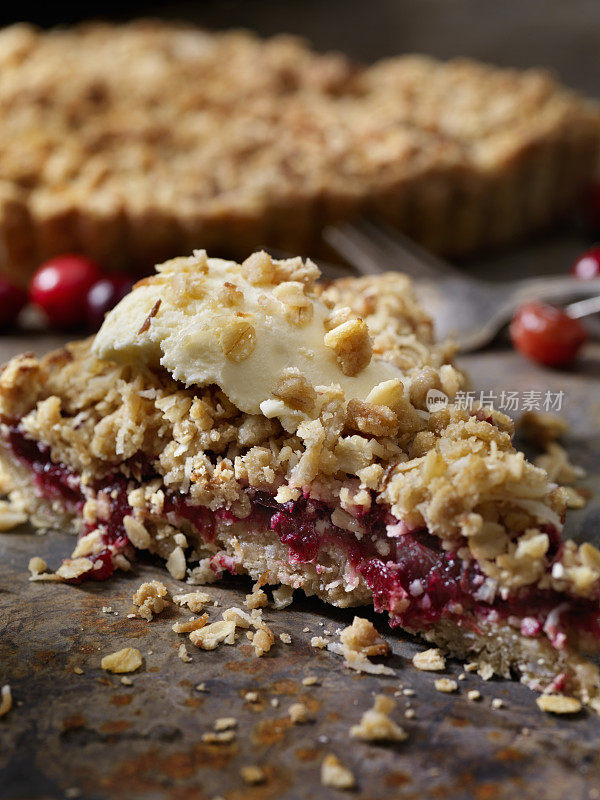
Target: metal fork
pixel 468 309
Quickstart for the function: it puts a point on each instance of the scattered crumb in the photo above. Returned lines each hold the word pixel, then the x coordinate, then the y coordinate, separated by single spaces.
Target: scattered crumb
pixel 72 793
pixel 409 713
pixel 126 681
pixel 218 737
pixel 335 774
pixel 408 692
pixel 462 677
pixel 274 702
pixel 77 670
pixel 126 660
pixel 37 565
pixel 258 599
pixel 253 775
pixel 211 636
pixel 376 725
pixel 310 680
pixel 471 666
pixel 149 599
pixel 6 701
pixel 298 713
pixel 558 704
pixel 74 567
pixel 358 642
pixel 225 723
pixel 107 609
pixel 285 638
pixel 558 465
pixel 262 641
pixel 474 695
pixel 190 625
pixel 319 642
pixel 446 685
pixel 497 703
pixel 176 563
pixel 541 428
pixel 306 630
pixel 195 601
pixel 430 660
pixel 131 616
pixel 200 687
pixel 251 697
pixel 183 654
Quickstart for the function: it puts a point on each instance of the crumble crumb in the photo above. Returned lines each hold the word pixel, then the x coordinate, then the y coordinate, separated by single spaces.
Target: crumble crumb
pixel 541 428
pixel 149 599
pixel 376 725
pixel 6 701
pixel 310 680
pixel 218 737
pixel 474 695
pixel 446 685
pixel 363 637
pixel 211 636
pixel 497 702
pixel 37 566
pixel 431 660
pixel 471 666
pixel 409 713
pixel 183 654
pixel 253 775
pixel 77 670
pixel 558 704
pixel 193 624
pixel 107 609
pixel 225 723
pixel 126 660
pixel 126 681
pixel 274 702
pixel 408 692
pixel 485 670
pixel 462 677
pixel 200 687
pixel 251 697
pixel 74 567
pixel 319 642
pixel 282 597
pixel 195 601
pixel 10 516
pixel 335 774
pixel 285 638
pixel 298 713
pixel 262 641
pixel 258 599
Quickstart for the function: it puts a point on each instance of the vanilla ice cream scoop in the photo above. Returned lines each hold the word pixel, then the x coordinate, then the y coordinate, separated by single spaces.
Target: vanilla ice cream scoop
pixel 267 343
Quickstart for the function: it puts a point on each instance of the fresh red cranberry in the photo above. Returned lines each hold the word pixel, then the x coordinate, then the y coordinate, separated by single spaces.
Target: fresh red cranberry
pixel 12 300
pixel 587 265
pixel 60 287
pixel 547 334
pixel 104 295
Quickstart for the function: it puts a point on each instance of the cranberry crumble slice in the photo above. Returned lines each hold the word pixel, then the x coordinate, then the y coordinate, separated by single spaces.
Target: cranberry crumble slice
pixel 247 418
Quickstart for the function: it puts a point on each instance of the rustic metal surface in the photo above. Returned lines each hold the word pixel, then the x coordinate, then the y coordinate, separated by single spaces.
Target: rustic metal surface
pixel 91 733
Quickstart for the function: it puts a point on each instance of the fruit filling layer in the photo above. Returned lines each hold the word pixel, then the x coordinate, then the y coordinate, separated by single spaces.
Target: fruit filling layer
pixel 409 574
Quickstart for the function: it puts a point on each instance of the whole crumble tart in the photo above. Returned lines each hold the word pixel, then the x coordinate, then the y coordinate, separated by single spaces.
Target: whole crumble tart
pixel 133 142
pixel 249 419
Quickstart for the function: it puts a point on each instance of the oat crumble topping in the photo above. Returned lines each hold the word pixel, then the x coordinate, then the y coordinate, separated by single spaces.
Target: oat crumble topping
pixel 335 774
pixel 375 724
pixel 126 660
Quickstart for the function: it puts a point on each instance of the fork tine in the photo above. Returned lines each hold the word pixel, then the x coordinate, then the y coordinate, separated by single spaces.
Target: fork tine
pixel 396 242
pixel 347 240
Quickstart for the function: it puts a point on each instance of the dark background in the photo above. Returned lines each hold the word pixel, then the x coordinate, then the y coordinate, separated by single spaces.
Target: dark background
pixel 563 35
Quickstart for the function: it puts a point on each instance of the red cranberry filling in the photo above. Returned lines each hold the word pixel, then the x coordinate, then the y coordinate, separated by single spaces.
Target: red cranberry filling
pixel 418 583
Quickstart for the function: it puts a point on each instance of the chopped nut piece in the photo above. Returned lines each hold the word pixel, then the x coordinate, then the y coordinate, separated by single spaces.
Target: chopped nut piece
pixel 195 601
pixel 190 625
pixel 225 723
pixel 238 340
pixel 334 774
pixel 126 660
pixel 253 775
pixel 371 419
pixel 298 307
pixel 558 704
pixel 431 660
pixel 183 654
pixel 298 713
pixel 211 636
pixel 295 391
pixel 37 565
pixel 10 516
pixel 375 724
pixel 136 533
pixel 446 685
pixel 73 568
pixel 176 563
pixel 5 700
pixel 352 345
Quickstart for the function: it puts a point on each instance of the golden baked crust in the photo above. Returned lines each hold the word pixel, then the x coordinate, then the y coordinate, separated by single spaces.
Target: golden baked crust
pixel 452 476
pixel 133 142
